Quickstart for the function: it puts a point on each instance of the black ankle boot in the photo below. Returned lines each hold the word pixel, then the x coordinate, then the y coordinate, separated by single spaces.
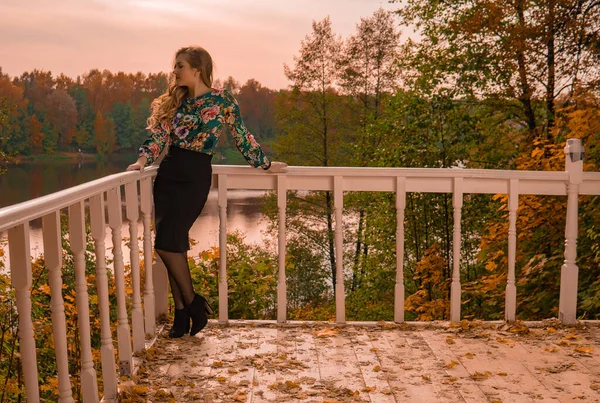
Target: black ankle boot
pixel 181 324
pixel 198 310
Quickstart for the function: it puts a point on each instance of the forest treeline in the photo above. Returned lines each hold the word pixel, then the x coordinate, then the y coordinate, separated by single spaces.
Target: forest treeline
pixel 100 112
pixel 496 84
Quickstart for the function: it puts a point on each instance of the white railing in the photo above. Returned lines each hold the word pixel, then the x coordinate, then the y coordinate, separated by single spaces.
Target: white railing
pixel 106 193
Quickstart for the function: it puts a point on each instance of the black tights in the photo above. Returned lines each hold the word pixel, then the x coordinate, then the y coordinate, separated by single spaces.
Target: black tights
pixel 179 277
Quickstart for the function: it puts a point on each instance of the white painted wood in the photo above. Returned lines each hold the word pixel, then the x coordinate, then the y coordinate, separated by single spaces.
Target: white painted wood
pixel 507 377
pixel 467 389
pixel 146 208
pixel 78 242
pixel 20 273
pixel 567 311
pixel 160 277
pixel 53 259
pixel 132 215
pixel 399 288
pixel 340 296
pixel 281 247
pixel 107 349
pixel 115 220
pixel 368 357
pixel 223 290
pixel 319 178
pixel 338 365
pixel 264 376
pixel 455 292
pixel 511 289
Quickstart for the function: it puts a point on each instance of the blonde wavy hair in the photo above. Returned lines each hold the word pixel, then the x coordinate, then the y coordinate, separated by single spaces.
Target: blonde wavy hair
pixel 164 107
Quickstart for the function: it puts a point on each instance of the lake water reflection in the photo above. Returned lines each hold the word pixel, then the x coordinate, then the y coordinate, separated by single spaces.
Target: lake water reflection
pixel 26 181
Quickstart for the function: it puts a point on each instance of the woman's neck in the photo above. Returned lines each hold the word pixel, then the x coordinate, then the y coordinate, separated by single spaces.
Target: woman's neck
pixel 198 90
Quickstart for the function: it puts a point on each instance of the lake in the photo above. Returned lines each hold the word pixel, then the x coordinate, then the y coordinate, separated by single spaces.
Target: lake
pixel 28 180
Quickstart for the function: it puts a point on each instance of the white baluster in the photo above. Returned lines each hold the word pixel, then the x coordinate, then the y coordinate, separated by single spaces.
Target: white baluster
pixel 569 273
pixel 223 292
pixel 340 297
pixel 146 207
pixel 511 289
pixel 399 290
pixel 137 316
pixel 455 291
pixel 53 260
pixel 77 239
pixel 115 220
pixel 20 273
pixel 107 349
pixel 281 283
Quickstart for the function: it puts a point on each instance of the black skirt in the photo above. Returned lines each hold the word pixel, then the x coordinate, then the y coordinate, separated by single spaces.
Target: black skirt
pixel 180 191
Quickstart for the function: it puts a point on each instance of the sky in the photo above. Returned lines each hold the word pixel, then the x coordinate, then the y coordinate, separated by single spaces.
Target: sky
pixel 246 38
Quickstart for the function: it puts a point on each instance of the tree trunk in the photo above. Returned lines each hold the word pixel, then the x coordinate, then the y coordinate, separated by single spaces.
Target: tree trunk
pixel 525 96
pixel 551 69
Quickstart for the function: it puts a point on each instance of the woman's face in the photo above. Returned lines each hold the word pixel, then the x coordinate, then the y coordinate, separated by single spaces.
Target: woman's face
pixel 185 75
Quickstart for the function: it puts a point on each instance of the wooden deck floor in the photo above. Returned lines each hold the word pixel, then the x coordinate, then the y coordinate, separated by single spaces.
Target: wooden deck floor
pixel 475 362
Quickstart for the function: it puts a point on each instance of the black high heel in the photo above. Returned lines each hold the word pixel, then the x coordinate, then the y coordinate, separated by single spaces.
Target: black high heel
pixel 181 324
pixel 198 310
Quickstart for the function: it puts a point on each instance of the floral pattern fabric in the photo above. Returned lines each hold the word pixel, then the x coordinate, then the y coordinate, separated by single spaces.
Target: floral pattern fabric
pixel 197 126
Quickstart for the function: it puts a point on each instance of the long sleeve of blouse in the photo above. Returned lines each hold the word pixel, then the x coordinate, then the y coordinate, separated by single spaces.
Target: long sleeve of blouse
pixel 197 126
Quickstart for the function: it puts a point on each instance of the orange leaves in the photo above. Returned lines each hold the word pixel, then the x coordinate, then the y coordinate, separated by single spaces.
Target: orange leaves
pixel 430 301
pixel 105 139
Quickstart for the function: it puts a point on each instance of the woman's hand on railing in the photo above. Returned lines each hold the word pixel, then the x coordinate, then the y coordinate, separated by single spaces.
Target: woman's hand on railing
pixel 138 165
pixel 277 167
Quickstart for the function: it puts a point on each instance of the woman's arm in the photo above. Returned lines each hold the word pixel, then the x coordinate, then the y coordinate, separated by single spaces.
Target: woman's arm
pixel 155 144
pixel 244 140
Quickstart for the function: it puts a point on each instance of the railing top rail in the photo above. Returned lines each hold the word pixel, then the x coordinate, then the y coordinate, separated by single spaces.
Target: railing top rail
pixel 14 215
pixel 407 172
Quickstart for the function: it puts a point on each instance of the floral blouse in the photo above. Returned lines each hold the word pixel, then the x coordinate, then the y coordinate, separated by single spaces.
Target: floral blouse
pixel 197 126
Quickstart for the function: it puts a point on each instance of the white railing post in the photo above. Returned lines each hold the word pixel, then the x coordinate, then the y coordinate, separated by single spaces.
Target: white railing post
pixel 455 291
pixel 78 242
pixel 53 259
pixel 107 349
pixel 20 273
pixel 146 208
pixel 399 289
pixel 338 203
pixel 223 296
pixel 281 245
pixel 511 289
pixel 137 316
pixel 115 219
pixel 160 277
pixel 567 311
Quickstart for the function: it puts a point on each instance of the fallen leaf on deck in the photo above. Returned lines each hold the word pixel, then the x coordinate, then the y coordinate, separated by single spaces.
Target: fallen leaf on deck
pixel 481 375
pixel 584 350
pixel 452 364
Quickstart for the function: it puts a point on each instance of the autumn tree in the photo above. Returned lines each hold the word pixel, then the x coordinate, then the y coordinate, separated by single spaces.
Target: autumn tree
pixel 310 119
pixel 12 108
pixel 62 115
pixel 369 74
pixel 121 115
pixel 513 50
pixel 104 135
pixel 257 106
pixel 369 67
pixel 36 137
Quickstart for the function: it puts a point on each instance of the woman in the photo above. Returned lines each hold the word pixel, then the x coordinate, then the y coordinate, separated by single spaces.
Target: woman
pixel 189 118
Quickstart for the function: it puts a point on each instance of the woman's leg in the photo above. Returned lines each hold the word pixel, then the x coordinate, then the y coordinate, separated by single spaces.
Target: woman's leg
pixel 179 273
pixel 177 296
